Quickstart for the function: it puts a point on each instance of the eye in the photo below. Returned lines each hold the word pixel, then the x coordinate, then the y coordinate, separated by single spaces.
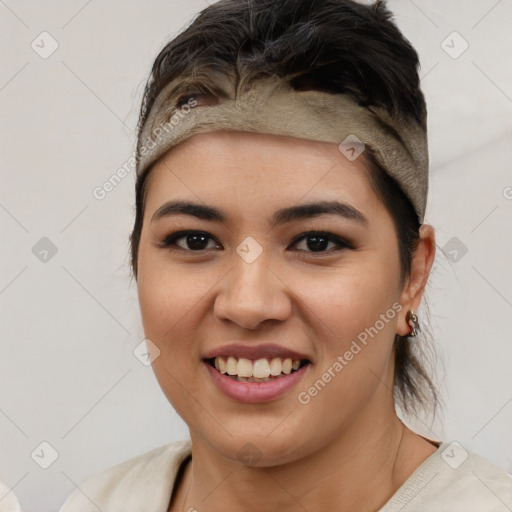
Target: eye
pixel 194 241
pixel 197 241
pixel 317 242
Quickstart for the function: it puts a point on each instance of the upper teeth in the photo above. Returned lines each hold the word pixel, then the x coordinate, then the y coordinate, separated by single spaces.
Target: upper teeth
pixel 260 368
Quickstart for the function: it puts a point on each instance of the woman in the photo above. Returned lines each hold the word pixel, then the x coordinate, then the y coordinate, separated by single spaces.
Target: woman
pixel 281 257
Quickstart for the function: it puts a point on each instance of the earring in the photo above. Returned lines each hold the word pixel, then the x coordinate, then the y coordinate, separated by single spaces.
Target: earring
pixel 412 320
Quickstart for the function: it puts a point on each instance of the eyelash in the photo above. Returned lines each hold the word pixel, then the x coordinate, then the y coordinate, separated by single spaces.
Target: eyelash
pixel 169 241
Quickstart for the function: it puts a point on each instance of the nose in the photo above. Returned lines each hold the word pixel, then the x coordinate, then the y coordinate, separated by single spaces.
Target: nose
pixel 252 293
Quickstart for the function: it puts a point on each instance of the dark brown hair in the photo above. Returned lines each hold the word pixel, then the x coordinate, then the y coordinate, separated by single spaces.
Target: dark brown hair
pixel 337 46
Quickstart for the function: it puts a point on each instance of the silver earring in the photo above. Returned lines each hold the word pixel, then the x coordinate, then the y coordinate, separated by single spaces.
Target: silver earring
pixel 412 320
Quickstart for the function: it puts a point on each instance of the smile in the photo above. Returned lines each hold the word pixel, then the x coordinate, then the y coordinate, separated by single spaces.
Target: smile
pixel 261 370
pixel 252 381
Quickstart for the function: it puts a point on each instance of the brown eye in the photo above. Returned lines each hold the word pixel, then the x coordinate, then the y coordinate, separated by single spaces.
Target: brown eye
pixel 193 241
pixel 318 241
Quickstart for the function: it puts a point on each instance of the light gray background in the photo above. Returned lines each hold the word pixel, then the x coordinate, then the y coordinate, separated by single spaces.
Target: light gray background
pixel 69 325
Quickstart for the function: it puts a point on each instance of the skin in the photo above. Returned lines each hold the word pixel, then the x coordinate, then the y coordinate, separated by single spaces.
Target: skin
pixel 347 439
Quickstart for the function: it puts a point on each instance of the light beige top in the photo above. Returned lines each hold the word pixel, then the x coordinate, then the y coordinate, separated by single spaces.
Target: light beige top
pixel 8 501
pixel 449 480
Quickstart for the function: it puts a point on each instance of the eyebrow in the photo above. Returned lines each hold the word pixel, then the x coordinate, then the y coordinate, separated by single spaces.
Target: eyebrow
pixel 282 216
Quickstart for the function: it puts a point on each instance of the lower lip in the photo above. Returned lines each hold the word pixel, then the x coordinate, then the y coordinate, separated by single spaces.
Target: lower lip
pixel 253 392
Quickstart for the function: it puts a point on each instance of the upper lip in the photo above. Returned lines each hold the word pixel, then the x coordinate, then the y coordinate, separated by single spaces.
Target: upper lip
pixel 266 350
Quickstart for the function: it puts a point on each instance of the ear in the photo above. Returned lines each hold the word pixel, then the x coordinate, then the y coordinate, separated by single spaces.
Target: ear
pixel 415 283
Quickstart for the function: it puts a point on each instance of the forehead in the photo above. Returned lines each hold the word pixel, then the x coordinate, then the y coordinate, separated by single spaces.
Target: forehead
pixel 241 167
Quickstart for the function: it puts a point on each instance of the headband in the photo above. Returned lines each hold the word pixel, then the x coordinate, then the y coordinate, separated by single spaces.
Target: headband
pixel 271 106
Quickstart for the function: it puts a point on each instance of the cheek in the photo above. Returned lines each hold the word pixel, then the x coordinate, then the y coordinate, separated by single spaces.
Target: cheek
pixel 348 300
pixel 167 309
pixel 353 316
pixel 173 303
pixel 166 292
pixel 165 297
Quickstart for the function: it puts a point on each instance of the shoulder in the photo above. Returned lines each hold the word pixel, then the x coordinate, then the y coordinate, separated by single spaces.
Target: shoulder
pixel 454 479
pixel 140 483
pixel 8 501
pixel 464 475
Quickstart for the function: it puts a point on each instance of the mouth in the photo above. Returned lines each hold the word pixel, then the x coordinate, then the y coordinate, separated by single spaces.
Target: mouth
pixel 259 370
pixel 238 378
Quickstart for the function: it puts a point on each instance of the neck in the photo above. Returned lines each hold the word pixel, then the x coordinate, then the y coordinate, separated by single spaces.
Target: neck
pixel 374 452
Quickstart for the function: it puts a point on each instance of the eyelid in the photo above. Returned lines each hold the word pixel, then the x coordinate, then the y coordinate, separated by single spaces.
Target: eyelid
pixel 169 241
pixel 327 234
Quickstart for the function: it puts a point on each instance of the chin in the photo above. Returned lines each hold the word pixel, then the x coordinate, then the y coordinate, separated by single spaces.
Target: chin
pixel 254 448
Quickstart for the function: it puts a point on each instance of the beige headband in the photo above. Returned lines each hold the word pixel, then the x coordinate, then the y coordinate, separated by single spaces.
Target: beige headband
pixel 271 106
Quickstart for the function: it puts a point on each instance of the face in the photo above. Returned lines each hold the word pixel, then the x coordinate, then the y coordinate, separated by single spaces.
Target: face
pixel 246 282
